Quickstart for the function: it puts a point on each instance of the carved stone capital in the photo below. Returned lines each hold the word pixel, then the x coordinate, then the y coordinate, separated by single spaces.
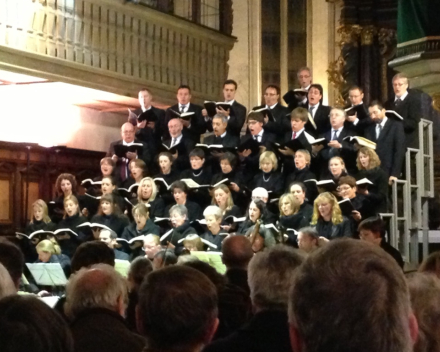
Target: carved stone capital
pixel 336 77
pixel 349 34
pixel 387 42
pixel 368 34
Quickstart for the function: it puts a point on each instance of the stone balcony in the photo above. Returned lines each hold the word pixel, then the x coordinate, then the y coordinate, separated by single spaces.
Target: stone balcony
pixel 113 46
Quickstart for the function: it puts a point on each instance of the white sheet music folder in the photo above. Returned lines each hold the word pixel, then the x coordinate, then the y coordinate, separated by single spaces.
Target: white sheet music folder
pixel 47 274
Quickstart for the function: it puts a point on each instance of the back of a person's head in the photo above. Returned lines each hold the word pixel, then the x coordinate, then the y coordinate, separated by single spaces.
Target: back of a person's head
pixel 431 264
pixel 351 296
pixel 217 279
pixel 99 286
pixel 90 253
pixel 269 276
pixel 7 286
pixel 177 308
pixel 12 259
pixel 28 324
pixel 237 252
pixel 139 268
pixel 424 289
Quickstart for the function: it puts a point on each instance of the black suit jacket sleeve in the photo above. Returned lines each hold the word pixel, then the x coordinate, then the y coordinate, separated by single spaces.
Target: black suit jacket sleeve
pixel 399 149
pixel 236 119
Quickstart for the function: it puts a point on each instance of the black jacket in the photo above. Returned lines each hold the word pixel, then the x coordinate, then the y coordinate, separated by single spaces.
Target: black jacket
pixel 198 124
pixel 114 222
pixel 185 146
pixel 378 191
pixel 236 119
pixel 331 231
pixel 194 210
pixel 228 141
pixel 322 119
pixel 69 246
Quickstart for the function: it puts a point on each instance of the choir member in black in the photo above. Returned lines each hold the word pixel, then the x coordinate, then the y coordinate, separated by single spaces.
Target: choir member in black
pixel 337 169
pixel 138 170
pixel 257 211
pixel 389 137
pixel 290 217
pixel 362 206
pixel 298 121
pixel 182 141
pixel 280 121
pixel 179 190
pixel 122 171
pixel 369 167
pixel 222 197
pixel 157 129
pixel 107 169
pixel 268 177
pixel 109 215
pixel 108 186
pixel 40 221
pixel 337 146
pixel 148 195
pixel 360 119
pixel 304 76
pixel 249 158
pixel 168 174
pixel 302 173
pixel 50 252
pixel 317 110
pixel 229 170
pixel 109 238
pixel 196 125
pixel 181 228
pixel 200 174
pixel 72 218
pixel 328 219
pixel 65 186
pixel 214 234
pixel 298 190
pixel 408 105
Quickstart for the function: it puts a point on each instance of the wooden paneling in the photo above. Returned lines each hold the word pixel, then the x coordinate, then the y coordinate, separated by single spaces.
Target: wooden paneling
pixel 5 214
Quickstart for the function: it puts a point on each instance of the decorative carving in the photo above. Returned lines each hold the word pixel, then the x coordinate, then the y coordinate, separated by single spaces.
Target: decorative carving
pixel 336 78
pixel 436 101
pixel 349 34
pixel 368 34
pixel 387 46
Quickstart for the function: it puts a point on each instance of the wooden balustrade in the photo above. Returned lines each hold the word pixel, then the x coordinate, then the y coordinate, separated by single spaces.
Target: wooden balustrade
pixel 112 37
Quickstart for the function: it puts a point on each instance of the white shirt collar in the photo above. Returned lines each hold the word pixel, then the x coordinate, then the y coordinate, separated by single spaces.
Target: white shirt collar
pixel 178 139
pixel 143 110
pixel 299 132
pixel 186 107
pixel 125 143
pixel 272 106
pixel 308 87
pixel 404 95
pixel 385 119
pixel 315 106
pixel 231 101
pixel 223 135
pixel 339 130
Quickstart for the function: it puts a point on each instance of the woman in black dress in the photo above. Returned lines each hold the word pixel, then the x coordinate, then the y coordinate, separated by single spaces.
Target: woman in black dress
pixel 222 197
pixel 109 215
pixel 148 194
pixel 268 178
pixel 65 186
pixel 167 174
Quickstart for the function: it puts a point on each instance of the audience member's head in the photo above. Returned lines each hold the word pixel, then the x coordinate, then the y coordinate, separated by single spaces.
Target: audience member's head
pixel 90 253
pixel 47 248
pixel 350 296
pixel 308 239
pixel 237 252
pixel 12 259
pixel 164 258
pixel 424 289
pixel 187 328
pixel 28 324
pixel 216 278
pixel 372 230
pixel 270 274
pixel 151 245
pixel 7 287
pixel 108 237
pixel 139 268
pixel 99 286
pixel 430 264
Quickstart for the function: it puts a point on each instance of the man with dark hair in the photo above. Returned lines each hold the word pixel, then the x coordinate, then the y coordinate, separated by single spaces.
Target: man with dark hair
pixel 221 134
pixel 109 238
pixel 89 253
pixel 236 254
pixel 163 258
pixel 270 274
pixel 188 328
pixel 408 105
pixel 350 296
pixel 12 259
pixel 357 112
pixel 373 230
pixel 319 112
pixel 308 239
pixel 280 121
pixel 195 125
pixel 389 137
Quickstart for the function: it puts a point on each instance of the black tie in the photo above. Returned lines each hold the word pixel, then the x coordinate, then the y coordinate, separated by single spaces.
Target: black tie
pixel 397 102
pixel 182 109
pixel 335 135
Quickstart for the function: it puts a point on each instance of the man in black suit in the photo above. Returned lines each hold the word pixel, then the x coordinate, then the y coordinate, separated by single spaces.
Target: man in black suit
pixel 279 112
pixel 319 112
pixel 122 164
pixel 337 146
pixel 196 125
pixel 236 115
pixel 251 159
pixel 182 142
pixel 221 134
pixel 305 78
pixel 389 137
pixel 408 105
pixel 358 118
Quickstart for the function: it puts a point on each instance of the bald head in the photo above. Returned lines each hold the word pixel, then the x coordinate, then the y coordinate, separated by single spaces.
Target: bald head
pixel 237 252
pixel 175 128
pixel 127 132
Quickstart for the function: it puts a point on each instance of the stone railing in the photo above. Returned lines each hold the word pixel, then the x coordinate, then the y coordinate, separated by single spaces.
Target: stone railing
pixel 114 40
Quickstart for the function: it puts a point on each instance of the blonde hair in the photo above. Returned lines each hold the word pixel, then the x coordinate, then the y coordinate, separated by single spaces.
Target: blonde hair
pixel 195 242
pixel 271 157
pixel 42 204
pixel 49 246
pixel 73 199
pixel 229 202
pixel 306 154
pixel 373 162
pixel 294 203
pixel 153 190
pixel 336 210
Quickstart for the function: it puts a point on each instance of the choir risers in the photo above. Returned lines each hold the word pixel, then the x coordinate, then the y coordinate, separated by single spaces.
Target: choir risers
pixel 113 46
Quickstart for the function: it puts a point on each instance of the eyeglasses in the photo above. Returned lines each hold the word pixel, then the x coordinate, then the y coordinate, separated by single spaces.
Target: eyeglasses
pixel 345 188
